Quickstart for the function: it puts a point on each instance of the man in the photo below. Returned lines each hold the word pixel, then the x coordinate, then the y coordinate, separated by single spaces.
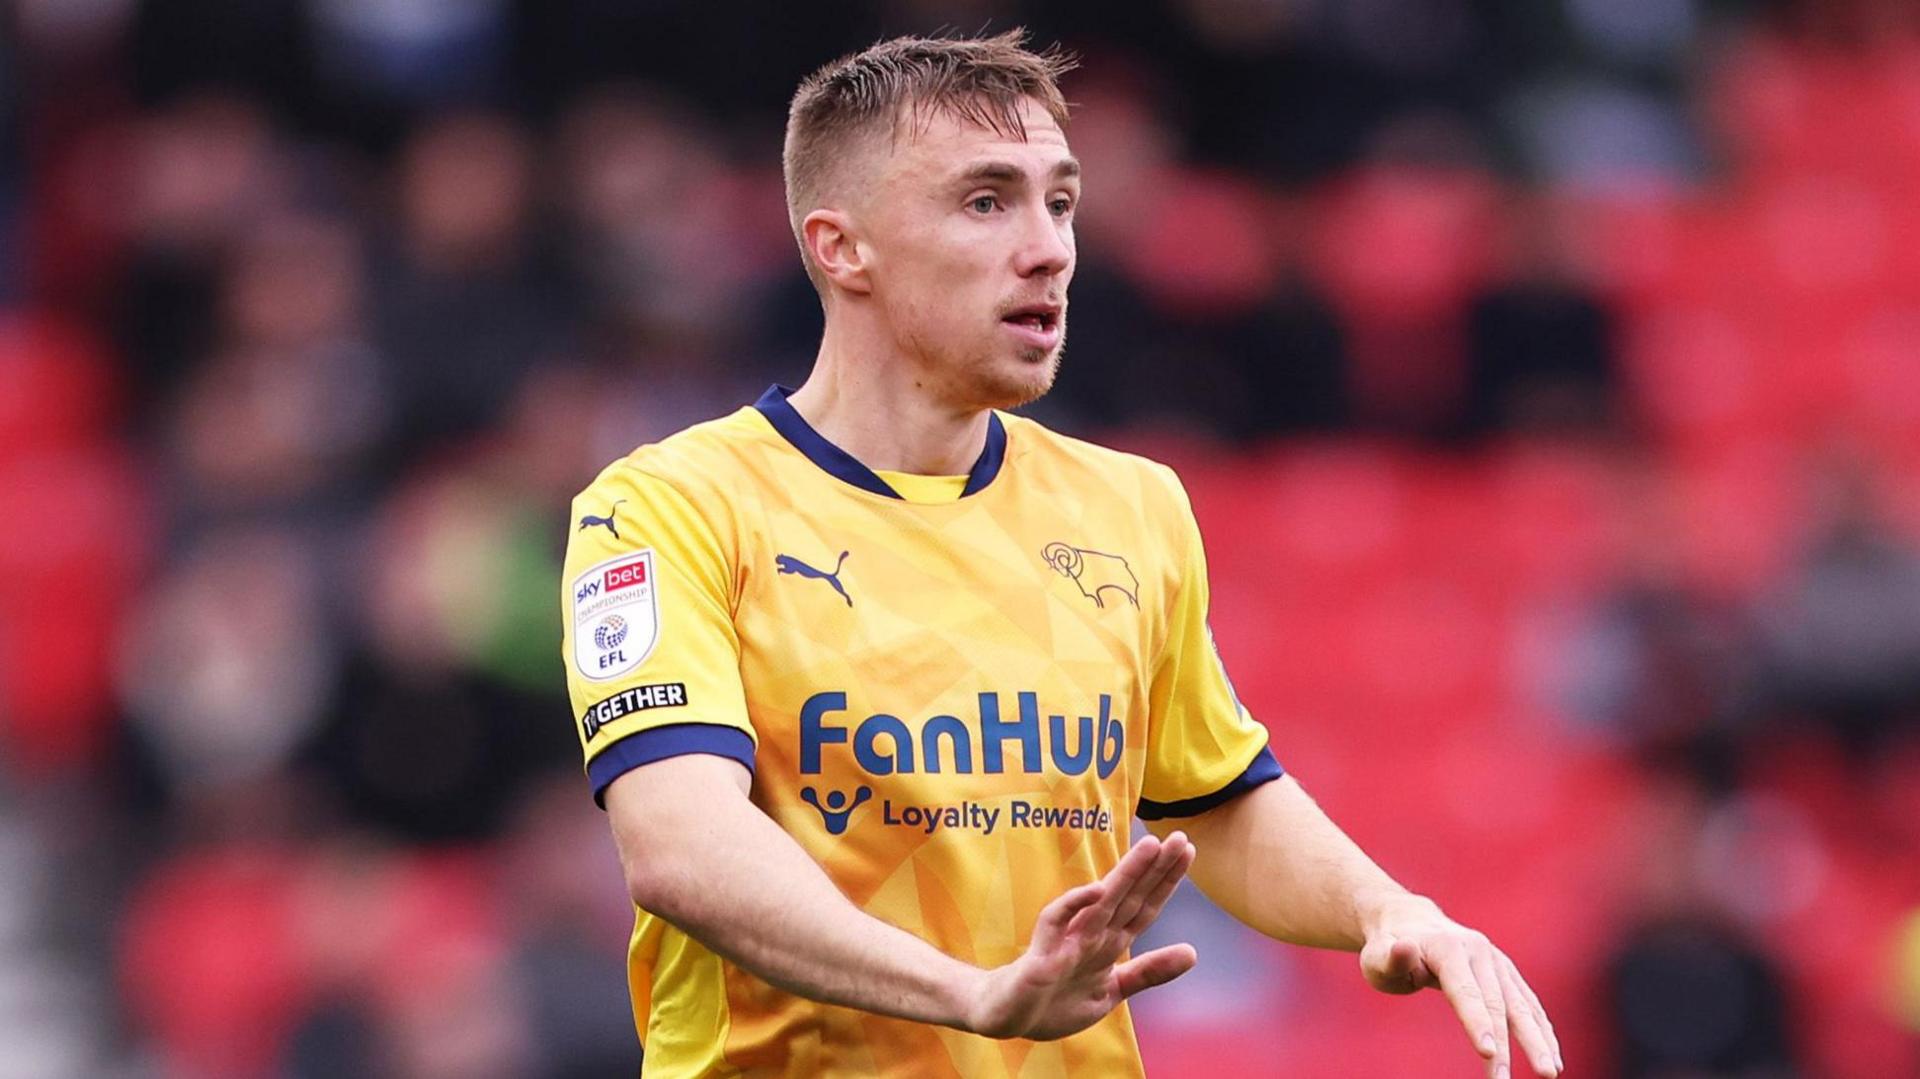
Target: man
pixel 871 676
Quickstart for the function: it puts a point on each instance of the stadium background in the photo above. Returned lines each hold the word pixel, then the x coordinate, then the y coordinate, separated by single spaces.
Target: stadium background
pixel 1546 374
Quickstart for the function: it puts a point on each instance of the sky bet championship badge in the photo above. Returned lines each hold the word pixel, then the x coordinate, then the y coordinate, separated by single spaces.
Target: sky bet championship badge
pixel 616 616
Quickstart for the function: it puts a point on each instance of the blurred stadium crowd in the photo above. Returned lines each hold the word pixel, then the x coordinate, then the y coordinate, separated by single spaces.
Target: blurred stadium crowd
pixel 1546 376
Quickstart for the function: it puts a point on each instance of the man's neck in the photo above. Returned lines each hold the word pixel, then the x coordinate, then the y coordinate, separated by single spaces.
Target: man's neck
pixel 872 405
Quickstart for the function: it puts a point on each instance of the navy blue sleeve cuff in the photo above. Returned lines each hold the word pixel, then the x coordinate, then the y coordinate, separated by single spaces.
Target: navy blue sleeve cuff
pixel 1264 769
pixel 659 743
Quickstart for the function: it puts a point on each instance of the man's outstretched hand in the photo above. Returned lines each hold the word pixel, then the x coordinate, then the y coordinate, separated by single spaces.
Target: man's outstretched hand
pixel 1071 975
pixel 1412 946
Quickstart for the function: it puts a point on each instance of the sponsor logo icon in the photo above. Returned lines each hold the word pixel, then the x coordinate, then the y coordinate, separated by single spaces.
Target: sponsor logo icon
pixel 837 808
pixel 786 563
pixel 589 520
pixel 609 634
pixel 990 741
pixel 1099 575
pixel 616 616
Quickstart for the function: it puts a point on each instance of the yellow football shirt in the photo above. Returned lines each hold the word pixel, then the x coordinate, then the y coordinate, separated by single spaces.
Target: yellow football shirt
pixel 954 704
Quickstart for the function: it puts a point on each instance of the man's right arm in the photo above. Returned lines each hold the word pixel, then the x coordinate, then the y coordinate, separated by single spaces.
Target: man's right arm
pixel 699 854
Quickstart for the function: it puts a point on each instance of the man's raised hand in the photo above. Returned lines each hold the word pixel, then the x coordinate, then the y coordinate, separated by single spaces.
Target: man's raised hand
pixel 1071 975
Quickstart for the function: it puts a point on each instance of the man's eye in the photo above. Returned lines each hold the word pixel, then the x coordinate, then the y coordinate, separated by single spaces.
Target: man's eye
pixel 1061 206
pixel 985 204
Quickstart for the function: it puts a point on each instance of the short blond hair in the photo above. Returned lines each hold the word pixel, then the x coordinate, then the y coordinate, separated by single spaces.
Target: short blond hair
pixel 903 83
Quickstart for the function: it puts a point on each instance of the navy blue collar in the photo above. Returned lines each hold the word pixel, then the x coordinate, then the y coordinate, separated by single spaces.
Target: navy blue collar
pixel 839 463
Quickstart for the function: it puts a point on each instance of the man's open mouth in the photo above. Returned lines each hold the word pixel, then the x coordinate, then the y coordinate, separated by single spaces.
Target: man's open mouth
pixel 1039 318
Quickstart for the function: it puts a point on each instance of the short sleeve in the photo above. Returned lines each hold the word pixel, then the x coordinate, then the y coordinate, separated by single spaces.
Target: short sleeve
pixel 1203 748
pixel 648 640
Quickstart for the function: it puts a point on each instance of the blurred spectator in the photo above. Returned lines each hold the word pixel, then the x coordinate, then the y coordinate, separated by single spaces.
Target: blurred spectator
pixel 1691 997
pixel 427 737
pixel 179 48
pixel 1601 138
pixel 664 292
pixel 228 662
pixel 289 409
pixel 745 61
pixel 1687 991
pixel 1841 633
pixel 204 169
pixel 12 176
pixel 464 300
pixel 571 926
pixel 1654 662
pixel 1540 344
pixel 1255 84
pixel 378 65
pixel 1600 105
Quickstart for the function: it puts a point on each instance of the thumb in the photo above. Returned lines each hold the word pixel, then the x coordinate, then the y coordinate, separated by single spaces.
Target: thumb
pixel 1392 965
pixel 1157 967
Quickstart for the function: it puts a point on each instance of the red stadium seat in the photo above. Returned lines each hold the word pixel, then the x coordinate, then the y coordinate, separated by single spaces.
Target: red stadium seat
pixel 210 961
pixel 1739 515
pixel 1206 248
pixel 1695 373
pixel 56 388
pixel 1402 313
pixel 1789 107
pixel 80 541
pixel 1879 369
pixel 1817 238
pixel 1308 519
pixel 446 928
pixel 1437 224
pixel 1548 514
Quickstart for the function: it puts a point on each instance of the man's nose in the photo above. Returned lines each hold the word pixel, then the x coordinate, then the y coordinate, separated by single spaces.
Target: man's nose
pixel 1047 245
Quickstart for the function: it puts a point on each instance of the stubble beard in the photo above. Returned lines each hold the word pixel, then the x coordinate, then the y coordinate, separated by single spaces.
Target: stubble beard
pixel 1047 363
pixel 984 381
pixel 1035 376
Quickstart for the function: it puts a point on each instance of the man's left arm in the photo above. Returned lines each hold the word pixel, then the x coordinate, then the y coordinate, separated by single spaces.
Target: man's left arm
pixel 1269 856
pixel 1273 859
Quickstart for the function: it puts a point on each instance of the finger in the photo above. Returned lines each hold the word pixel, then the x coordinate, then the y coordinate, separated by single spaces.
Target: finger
pixel 1126 905
pixel 1462 990
pixel 1480 958
pixel 1153 895
pixel 1540 1010
pixel 1157 967
pixel 1544 1051
pixel 1119 880
pixel 1156 900
pixel 1172 850
pixel 1058 914
pixel 1526 1029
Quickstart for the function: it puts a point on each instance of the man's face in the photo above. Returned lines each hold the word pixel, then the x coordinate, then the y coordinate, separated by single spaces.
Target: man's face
pixel 970 237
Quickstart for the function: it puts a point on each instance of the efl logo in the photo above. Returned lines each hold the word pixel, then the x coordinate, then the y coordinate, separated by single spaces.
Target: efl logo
pixel 626 576
pixel 616 616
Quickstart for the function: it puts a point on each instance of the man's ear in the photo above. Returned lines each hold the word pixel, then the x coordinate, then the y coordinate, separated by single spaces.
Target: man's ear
pixel 833 242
